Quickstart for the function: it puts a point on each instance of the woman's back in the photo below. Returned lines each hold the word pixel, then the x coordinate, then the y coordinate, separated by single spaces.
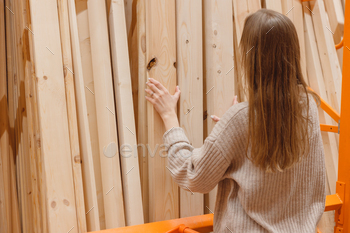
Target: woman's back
pixel 252 200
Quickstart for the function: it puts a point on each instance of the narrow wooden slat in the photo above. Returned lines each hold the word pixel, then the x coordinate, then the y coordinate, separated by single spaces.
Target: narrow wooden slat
pixel 22 131
pixel 161 58
pixel 294 10
pixel 219 72
pixel 72 113
pixel 241 9
pixel 38 192
pixel 142 130
pixel 5 218
pixel 55 145
pixel 90 194
pixel 125 115
pixel 105 111
pixel 190 78
pixel 86 60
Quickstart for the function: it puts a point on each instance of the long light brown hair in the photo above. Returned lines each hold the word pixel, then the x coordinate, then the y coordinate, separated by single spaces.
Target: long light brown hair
pixel 277 91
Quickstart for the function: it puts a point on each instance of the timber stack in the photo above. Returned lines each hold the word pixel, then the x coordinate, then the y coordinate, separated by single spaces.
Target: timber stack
pixel 81 149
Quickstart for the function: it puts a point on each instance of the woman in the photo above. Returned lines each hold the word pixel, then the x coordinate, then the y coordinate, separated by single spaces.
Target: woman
pixel 265 155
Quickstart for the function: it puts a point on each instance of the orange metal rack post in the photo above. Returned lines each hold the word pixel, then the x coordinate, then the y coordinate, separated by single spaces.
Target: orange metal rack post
pixel 338 202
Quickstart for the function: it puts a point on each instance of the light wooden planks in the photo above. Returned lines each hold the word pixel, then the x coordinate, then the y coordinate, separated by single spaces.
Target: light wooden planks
pixel 317 84
pixel 190 79
pixel 72 112
pixel 160 48
pixel 316 80
pixel 330 64
pixel 90 193
pixel 105 111
pixel 86 59
pixel 125 115
pixel 219 72
pixel 52 109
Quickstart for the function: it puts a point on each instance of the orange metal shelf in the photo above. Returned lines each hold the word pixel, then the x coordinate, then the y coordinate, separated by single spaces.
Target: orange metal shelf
pixel 202 223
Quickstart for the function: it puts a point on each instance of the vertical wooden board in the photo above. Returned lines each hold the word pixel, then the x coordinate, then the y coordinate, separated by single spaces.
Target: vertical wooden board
pixel 72 112
pixel 130 12
pixel 55 145
pixel 294 10
pixel 335 13
pixel 90 193
pixel 5 218
pixel 161 59
pixel 142 129
pixel 105 111
pixel 31 116
pixel 317 84
pixel 86 60
pixel 275 5
pixel 21 124
pixel 241 9
pixel 190 79
pixel 39 194
pixel 330 65
pixel 125 115
pixel 219 72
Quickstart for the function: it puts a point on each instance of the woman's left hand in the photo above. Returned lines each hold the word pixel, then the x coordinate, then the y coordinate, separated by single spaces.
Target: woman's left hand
pixel 162 100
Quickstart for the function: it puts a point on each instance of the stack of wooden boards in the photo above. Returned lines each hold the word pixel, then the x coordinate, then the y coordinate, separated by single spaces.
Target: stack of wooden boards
pixel 81 150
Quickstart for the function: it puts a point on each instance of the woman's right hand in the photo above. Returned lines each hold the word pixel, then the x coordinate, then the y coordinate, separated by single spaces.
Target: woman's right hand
pixel 216 118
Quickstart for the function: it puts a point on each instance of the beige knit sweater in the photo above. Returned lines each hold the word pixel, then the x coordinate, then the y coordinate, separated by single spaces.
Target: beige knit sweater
pixel 249 199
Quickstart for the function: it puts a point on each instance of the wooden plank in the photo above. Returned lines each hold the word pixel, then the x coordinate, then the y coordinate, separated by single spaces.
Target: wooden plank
pixel 294 10
pixel 218 44
pixel 86 59
pixel 131 18
pixel 335 13
pixel 142 129
pixel 37 173
pixel 275 5
pixel 190 78
pixel 90 193
pixel 125 115
pixel 52 109
pixel 22 131
pixel 330 65
pixel 37 214
pixel 5 217
pixel 241 9
pixel 11 191
pixel 161 58
pixel 105 111
pixel 72 112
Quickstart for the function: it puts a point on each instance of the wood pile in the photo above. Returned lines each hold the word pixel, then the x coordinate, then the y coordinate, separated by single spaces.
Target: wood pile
pixel 81 149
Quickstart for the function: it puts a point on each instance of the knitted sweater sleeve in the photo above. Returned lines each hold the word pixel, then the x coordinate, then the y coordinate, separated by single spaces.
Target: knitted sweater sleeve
pixel 201 169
